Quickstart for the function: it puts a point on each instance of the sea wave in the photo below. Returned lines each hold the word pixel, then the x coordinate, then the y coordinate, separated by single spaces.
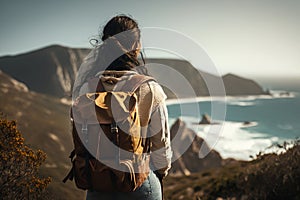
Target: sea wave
pixel 239 143
pixel 285 126
pixel 238 139
pixel 244 100
pixel 241 103
pixel 234 139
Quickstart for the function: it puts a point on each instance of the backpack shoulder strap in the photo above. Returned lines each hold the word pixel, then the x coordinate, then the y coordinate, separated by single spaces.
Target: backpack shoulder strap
pixel 135 81
pixel 132 83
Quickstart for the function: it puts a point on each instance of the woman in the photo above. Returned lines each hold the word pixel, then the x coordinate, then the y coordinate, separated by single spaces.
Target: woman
pixel 119 52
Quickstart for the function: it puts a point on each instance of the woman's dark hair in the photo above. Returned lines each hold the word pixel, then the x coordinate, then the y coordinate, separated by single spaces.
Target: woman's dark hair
pixel 121 43
pixel 113 28
pixel 120 24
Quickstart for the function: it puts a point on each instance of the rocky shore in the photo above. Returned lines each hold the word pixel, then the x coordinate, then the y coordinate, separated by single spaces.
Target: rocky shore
pixel 211 177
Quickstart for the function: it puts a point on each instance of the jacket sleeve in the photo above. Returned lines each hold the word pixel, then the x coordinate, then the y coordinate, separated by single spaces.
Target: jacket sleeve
pixel 158 131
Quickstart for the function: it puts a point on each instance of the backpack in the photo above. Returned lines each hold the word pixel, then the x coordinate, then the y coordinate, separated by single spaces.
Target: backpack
pixel 111 149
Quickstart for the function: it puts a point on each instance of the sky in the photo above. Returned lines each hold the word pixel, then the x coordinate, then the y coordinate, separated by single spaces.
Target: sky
pixel 253 38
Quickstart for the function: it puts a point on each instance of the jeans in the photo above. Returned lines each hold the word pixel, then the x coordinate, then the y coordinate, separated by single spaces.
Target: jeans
pixel 149 190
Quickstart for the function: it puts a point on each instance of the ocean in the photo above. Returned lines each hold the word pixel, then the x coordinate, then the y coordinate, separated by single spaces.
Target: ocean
pixel 251 123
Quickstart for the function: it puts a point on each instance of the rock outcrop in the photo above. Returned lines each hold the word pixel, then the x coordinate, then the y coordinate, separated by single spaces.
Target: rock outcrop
pixel 205 119
pixel 194 158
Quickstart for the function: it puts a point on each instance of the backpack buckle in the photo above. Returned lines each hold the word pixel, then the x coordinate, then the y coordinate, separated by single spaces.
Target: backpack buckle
pixel 84 128
pixel 84 131
pixel 114 129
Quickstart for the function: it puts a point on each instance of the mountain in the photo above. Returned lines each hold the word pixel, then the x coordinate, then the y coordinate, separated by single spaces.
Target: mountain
pixel 179 75
pixel 52 70
pixel 245 86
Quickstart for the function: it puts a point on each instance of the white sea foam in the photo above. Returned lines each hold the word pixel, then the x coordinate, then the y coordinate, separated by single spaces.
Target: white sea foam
pixel 191 100
pixel 278 148
pixel 239 143
pixel 233 140
pixel 282 94
pixel 241 103
pixel 236 139
pixel 235 100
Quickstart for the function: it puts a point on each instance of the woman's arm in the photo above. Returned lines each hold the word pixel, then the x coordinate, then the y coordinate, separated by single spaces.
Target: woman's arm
pixel 158 131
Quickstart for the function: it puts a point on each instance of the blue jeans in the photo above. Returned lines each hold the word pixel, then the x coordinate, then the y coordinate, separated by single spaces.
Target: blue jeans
pixel 149 190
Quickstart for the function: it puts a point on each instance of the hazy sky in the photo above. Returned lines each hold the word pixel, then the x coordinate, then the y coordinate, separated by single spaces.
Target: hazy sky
pixel 251 38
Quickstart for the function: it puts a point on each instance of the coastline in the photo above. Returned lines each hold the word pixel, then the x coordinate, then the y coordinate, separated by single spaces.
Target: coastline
pixel 242 135
pixel 273 95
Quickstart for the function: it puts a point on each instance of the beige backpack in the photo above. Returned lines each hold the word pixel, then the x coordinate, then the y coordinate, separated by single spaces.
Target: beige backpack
pixel 111 151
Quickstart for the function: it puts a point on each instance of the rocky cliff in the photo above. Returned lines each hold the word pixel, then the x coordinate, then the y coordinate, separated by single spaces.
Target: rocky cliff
pixel 191 161
pixel 235 85
pixel 52 70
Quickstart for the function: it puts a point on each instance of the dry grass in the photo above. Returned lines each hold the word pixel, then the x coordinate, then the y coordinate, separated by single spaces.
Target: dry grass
pixel 269 176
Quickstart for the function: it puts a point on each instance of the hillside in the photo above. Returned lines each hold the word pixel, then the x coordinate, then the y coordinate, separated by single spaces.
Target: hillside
pixel 245 86
pixel 52 71
pixel 160 68
pixel 269 176
pixel 43 120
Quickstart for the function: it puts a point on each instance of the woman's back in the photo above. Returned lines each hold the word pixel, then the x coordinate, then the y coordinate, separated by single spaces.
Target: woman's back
pixel 119 53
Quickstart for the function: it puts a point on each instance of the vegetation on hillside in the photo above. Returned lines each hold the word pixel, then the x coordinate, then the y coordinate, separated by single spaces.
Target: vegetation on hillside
pixel 19 165
pixel 269 176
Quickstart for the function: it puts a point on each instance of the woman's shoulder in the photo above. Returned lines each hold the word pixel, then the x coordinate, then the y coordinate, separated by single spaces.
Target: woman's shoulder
pixel 153 90
pixel 156 89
